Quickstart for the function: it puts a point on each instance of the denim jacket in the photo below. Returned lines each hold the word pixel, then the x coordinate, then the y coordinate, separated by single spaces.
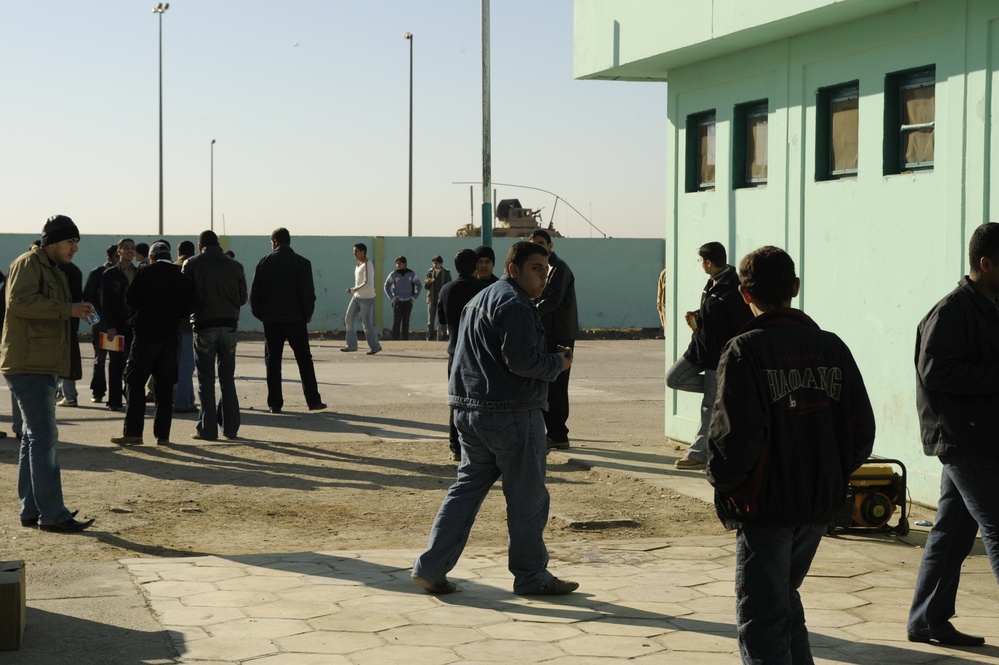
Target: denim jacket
pixel 500 363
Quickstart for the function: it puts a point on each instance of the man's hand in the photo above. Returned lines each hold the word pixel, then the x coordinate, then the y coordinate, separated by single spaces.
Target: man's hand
pixel 81 310
pixel 566 354
pixel 111 332
pixel 691 319
pixel 346 290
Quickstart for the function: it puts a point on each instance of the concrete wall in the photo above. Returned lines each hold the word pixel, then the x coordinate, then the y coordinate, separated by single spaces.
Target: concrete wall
pixel 874 251
pixel 615 277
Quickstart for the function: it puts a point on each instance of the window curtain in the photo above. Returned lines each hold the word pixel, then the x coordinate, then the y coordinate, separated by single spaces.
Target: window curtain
pixel 918 107
pixel 845 114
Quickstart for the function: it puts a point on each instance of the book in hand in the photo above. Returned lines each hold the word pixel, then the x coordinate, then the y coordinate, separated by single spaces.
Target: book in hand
pixel 112 344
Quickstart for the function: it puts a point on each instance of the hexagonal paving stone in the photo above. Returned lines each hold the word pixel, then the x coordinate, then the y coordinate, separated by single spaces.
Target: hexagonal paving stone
pixel 642 610
pixel 831 601
pixel 224 648
pixel 198 573
pixel 422 635
pixel 707 622
pixel 676 595
pixel 830 618
pixel 610 645
pixel 722 588
pixel 392 603
pixel 171 589
pixel 508 651
pixel 178 614
pixel 291 609
pixel 323 593
pixel 359 622
pixel 228 598
pixel 624 627
pixel 267 628
pixel 302 659
pixel 323 641
pixel 713 604
pixel 456 616
pixel 688 640
pixel 410 655
pixel 532 631
pixel 258 583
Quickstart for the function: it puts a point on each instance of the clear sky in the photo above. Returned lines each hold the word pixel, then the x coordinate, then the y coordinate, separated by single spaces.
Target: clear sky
pixel 308 101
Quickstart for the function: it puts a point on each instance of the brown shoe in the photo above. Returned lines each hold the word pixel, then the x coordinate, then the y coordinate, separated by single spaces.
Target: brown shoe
pixel 127 440
pixel 436 588
pixel 688 464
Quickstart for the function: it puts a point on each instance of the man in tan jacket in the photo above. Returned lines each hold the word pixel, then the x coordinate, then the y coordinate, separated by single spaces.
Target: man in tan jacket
pixel 34 352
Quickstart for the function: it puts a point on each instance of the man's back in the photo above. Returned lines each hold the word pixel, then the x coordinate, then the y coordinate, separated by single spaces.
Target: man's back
pixel 159 298
pixel 219 288
pixel 453 298
pixel 283 288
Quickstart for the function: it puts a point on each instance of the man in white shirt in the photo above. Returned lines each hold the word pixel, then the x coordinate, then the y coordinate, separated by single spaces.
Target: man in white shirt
pixel 362 303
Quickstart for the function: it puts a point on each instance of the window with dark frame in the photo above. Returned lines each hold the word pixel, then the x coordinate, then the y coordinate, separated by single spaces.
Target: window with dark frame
pixel 910 120
pixel 837 131
pixel 749 144
pixel 700 160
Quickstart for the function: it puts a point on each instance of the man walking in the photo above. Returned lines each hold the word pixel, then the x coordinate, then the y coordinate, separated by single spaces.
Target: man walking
pixel 92 294
pixel 720 317
pixel 791 424
pixel 402 287
pixel 114 282
pixel 557 307
pixel 183 397
pixel 34 353
pixel 499 387
pixel 362 303
pixel 437 277
pixel 453 298
pixel 219 291
pixel 283 297
pixel 957 398
pixel 158 298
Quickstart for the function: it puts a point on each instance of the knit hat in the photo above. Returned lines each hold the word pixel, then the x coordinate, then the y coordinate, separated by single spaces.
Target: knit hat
pixel 159 250
pixel 485 252
pixel 57 229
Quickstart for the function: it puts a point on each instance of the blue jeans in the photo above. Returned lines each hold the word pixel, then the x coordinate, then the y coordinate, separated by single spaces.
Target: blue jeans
pixel 16 421
pixel 363 308
pixel 510 444
pixel 216 347
pixel 39 480
pixel 67 389
pixel 770 565
pixel 184 398
pixel 685 375
pixel 969 502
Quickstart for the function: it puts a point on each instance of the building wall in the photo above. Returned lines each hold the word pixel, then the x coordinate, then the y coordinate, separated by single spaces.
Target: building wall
pixel 874 251
pixel 615 277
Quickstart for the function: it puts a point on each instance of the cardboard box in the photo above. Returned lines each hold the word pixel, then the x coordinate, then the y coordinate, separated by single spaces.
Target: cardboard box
pixel 13 609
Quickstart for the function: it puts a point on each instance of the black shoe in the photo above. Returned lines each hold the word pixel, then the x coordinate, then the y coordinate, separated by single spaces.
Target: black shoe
pixel 127 440
pixel 347 349
pixel 3 435
pixel 555 587
pixel 198 437
pixel 31 524
pixel 230 436
pixel 114 407
pixel 69 526
pixel 162 440
pixel 274 409
pixel 552 444
pixel 436 588
pixel 950 637
pixel 97 399
pixel 319 406
pixel 190 409
pixel 374 351
pixel 455 456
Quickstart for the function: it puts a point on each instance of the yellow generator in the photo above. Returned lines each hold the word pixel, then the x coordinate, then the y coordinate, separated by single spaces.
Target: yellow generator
pixel 875 492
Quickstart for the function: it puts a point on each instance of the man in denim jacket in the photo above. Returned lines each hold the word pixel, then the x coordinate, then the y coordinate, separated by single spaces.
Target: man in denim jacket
pixel 499 388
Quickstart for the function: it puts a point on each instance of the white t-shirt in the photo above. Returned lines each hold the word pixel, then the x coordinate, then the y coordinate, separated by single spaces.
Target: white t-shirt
pixel 364 280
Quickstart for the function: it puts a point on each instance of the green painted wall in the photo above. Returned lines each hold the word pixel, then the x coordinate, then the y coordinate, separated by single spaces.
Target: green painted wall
pixel 615 277
pixel 874 252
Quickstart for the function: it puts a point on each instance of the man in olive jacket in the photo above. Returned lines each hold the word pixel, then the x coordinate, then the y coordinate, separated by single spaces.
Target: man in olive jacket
pixel 283 297
pixel 35 352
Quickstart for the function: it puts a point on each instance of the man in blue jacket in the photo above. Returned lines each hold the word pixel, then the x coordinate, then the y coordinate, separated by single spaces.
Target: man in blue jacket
pixel 957 397
pixel 791 423
pixel 499 387
pixel 402 287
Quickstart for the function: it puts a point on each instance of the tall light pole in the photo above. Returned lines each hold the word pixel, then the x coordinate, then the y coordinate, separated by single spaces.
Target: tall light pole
pixel 160 9
pixel 487 166
pixel 409 37
pixel 212 222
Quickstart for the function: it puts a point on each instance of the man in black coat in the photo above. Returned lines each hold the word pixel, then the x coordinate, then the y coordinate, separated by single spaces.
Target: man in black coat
pixel 157 299
pixel 92 294
pixel 283 297
pixel 114 282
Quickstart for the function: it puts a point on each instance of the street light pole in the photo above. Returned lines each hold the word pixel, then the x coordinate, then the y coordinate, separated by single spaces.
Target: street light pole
pixel 409 37
pixel 212 223
pixel 160 9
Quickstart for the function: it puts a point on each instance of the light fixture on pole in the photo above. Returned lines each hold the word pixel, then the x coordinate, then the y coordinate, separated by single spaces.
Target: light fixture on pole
pixel 160 9
pixel 212 222
pixel 409 37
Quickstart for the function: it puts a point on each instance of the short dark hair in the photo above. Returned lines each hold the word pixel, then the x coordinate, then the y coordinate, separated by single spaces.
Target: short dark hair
pixel 768 275
pixel 165 242
pixel 520 252
pixel 984 243
pixel 208 239
pixel 714 252
pixel 123 241
pixel 361 246
pixel 111 250
pixel 185 248
pixel 231 254
pixel 437 259
pixel 465 260
pixel 401 259
pixel 142 249
pixel 281 236
pixel 541 233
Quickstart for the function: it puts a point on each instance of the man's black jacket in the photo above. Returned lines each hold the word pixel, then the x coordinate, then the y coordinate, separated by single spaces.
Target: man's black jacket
pixel 282 287
pixel 722 314
pixel 157 299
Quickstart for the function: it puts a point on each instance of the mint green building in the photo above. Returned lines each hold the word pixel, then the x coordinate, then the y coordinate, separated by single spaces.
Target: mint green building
pixel 857 134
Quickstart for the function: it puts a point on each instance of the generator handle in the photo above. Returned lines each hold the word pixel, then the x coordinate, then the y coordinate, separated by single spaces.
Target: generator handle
pixel 902 528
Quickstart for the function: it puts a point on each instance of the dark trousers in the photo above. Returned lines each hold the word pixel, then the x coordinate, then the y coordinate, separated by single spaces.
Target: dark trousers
pixel 400 318
pixel 297 335
pixel 116 371
pixel 99 381
pixel 156 358
pixel 558 398
pixel 453 443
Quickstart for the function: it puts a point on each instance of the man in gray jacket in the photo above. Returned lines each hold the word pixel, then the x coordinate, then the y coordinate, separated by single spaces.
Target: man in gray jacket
pixel 219 292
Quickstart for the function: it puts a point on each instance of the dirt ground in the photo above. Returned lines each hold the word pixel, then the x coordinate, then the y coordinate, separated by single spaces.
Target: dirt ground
pixel 259 497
